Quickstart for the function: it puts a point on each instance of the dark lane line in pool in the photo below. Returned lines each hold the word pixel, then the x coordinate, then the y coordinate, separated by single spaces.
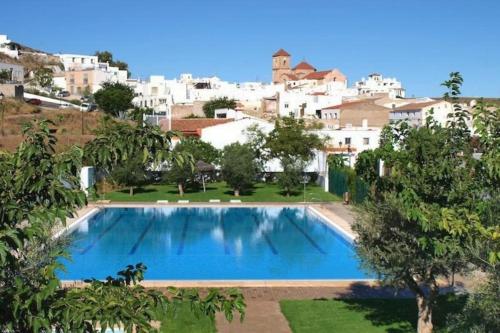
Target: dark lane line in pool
pixel 101 235
pixel 183 236
pixel 313 243
pixel 141 237
pixel 268 240
pixel 224 240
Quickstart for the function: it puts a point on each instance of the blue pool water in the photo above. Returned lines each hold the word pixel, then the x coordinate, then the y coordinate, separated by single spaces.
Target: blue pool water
pixel 211 244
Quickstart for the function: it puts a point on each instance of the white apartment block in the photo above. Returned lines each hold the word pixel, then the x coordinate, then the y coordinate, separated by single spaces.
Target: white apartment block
pixel 377 84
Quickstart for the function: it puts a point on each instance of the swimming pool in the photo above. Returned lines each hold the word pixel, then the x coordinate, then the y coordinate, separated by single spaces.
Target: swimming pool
pixel 233 243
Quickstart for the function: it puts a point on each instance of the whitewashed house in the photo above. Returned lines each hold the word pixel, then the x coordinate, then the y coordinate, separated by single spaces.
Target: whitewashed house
pixel 416 113
pixel 6 47
pixel 78 61
pixel 377 84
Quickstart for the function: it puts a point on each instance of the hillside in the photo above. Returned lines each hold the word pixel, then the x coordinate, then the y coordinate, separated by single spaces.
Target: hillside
pixel 68 124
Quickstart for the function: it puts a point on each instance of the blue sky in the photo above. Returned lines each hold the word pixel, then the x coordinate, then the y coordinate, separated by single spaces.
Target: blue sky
pixel 417 41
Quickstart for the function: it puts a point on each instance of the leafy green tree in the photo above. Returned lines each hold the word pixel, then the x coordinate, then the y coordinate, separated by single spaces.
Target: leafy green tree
pixel 44 78
pixel 290 179
pixel 195 150
pixel 130 173
pixel 256 138
pixel 290 142
pixel 137 114
pixel 116 142
pixel 5 75
pixel 366 166
pixel 416 229
pixel 336 161
pixel 239 168
pixel 39 189
pixel 104 56
pixel 219 103
pixel 481 312
pixel 114 98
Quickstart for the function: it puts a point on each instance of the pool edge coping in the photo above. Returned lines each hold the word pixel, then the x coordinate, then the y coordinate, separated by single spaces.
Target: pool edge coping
pixel 339 283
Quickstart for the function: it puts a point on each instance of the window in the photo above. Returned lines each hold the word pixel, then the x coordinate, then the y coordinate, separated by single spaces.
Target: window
pixel 347 141
pixel 366 141
pixel 286 105
pixel 85 79
pixel 72 79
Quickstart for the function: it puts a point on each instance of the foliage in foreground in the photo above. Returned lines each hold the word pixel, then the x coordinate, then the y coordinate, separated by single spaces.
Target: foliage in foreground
pixel 38 191
pixel 423 221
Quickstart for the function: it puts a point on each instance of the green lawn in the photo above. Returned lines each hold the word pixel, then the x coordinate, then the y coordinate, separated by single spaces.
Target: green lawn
pixel 363 315
pixel 184 321
pixel 260 193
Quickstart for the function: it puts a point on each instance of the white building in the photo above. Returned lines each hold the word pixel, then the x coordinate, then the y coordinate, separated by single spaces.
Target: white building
pixel 158 92
pixel 351 141
pixel 7 48
pixel 78 61
pixel 304 105
pixel 416 113
pixel 376 84
pixel 15 72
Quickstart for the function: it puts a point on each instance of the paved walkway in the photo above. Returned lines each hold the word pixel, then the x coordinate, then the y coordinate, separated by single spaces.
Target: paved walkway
pixel 261 317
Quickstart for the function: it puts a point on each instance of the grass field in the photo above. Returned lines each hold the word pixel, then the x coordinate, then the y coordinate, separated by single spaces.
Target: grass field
pixel 260 193
pixel 363 315
pixel 184 321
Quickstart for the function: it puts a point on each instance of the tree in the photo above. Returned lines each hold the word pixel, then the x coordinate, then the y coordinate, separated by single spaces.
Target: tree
pixel 130 173
pixel 219 103
pixel 137 114
pixel 290 179
pixel 194 150
pixel 116 142
pixel 5 75
pixel 417 227
pixel 44 78
pixel 336 161
pixel 239 168
pixel 366 166
pixel 104 56
pixel 293 146
pixel 114 98
pixel 39 189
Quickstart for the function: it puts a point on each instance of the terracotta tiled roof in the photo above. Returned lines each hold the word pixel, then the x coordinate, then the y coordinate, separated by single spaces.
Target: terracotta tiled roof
pixel 281 53
pixel 415 106
pixel 304 65
pixel 291 77
pixel 192 127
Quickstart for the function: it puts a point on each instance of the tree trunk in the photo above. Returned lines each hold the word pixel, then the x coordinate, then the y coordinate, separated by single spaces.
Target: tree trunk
pixel 236 192
pixel 424 315
pixel 181 189
pixel 131 190
pixel 425 303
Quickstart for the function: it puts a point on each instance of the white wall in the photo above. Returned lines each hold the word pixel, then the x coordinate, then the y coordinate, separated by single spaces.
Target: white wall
pixel 225 134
